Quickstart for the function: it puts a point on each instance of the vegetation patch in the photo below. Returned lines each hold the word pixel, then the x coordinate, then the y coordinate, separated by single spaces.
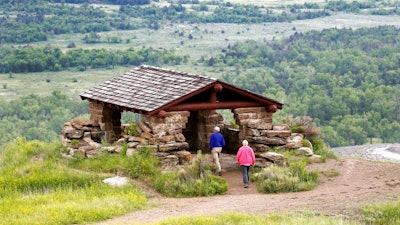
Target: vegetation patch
pixel 286 179
pixel 195 180
pixel 37 187
pixel 381 214
pixel 294 218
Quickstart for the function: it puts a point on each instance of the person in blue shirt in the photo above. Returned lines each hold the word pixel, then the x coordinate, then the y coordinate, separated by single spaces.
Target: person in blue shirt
pixel 217 142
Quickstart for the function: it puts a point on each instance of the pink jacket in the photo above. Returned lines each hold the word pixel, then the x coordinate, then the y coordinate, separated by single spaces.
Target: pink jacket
pixel 245 156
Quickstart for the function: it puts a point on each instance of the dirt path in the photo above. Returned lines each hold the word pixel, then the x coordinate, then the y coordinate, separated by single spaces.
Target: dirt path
pixel 360 182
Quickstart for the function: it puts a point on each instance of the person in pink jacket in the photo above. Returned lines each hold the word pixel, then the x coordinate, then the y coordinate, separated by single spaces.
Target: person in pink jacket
pixel 246 158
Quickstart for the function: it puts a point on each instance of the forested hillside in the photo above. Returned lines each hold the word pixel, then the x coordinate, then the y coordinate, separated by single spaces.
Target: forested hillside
pixel 347 80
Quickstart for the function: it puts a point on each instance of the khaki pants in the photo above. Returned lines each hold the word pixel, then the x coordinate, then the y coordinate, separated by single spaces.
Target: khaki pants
pixel 215 156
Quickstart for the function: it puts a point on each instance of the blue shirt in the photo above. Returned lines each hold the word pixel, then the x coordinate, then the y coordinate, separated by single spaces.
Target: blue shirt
pixel 216 140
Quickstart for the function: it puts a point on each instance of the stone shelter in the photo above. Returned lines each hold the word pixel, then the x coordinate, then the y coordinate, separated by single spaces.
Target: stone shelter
pixel 178 112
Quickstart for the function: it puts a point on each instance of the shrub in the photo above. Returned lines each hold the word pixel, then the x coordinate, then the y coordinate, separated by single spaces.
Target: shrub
pixel 286 179
pixel 320 148
pixel 132 129
pixel 143 164
pixel 194 180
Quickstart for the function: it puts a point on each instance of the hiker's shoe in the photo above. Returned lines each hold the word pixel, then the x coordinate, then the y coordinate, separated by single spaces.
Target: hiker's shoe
pixel 246 185
pixel 220 173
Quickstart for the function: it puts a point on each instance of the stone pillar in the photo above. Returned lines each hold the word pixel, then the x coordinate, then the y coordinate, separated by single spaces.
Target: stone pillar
pixel 256 126
pixel 108 119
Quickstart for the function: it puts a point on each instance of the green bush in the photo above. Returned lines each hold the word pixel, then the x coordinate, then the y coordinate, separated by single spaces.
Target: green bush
pixel 286 179
pixel 132 129
pixel 143 164
pixel 320 148
pixel 194 180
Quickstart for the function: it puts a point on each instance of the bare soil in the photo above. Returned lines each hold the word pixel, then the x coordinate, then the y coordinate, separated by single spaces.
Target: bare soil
pixel 360 182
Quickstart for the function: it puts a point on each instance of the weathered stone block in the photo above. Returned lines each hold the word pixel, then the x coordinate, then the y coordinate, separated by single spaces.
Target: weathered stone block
pixel 160 129
pixel 260 148
pixel 294 141
pixel 146 135
pixel 277 133
pixel 275 141
pixel 180 137
pixel 249 110
pixel 143 126
pixel 274 157
pixel 185 157
pixel 252 132
pixel 137 139
pixel 174 131
pixel 263 124
pixel 133 144
pixel 97 135
pixel 80 124
pixel 173 146
pixel 305 151
pixel 167 139
pixel 281 127
pixel 72 133
pixel 173 118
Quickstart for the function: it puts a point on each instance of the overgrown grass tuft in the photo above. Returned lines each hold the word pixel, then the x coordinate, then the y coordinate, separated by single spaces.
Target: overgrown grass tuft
pixel 286 179
pixel 320 148
pixel 382 214
pixel 195 180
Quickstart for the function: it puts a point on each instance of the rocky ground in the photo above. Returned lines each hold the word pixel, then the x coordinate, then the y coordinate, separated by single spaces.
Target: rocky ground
pixel 363 179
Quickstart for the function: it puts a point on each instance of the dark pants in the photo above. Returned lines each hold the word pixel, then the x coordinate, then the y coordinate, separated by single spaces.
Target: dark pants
pixel 245 174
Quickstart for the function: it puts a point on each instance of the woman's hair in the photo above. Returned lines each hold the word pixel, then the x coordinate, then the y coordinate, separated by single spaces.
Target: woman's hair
pixel 245 143
pixel 216 128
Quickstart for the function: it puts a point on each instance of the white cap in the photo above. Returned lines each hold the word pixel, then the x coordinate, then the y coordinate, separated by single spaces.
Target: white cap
pixel 245 143
pixel 216 128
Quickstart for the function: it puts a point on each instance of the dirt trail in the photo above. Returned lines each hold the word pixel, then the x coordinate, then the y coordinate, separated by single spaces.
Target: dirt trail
pixel 360 182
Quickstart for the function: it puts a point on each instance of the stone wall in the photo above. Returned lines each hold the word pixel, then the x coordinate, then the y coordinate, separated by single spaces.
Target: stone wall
pixel 165 135
pixel 256 126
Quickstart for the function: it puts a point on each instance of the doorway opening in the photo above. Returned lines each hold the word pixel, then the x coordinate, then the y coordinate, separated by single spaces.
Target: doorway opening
pixel 200 127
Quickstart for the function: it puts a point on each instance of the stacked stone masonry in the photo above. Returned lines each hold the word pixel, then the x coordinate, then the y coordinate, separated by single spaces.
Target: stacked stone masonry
pixel 165 135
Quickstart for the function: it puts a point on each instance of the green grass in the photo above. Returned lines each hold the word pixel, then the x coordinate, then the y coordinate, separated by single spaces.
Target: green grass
pixel 382 214
pixel 194 180
pixel 71 83
pixel 70 206
pixel 286 179
pixel 294 218
pixel 36 187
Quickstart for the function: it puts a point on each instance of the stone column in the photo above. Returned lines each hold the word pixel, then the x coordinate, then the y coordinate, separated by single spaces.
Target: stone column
pixel 105 117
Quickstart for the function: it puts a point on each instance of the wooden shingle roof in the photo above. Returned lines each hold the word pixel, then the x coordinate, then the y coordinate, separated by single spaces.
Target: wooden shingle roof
pixel 150 89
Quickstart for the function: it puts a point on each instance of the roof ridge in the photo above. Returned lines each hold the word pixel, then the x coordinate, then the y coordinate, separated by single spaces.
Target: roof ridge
pixel 175 72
